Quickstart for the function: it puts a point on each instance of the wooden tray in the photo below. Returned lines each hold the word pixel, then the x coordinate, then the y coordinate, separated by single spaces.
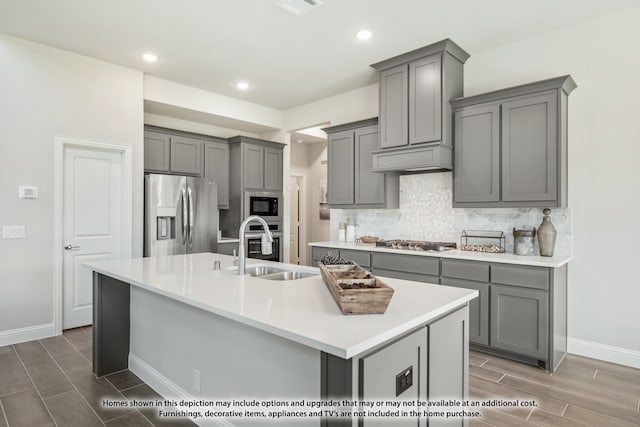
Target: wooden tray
pixel 355 290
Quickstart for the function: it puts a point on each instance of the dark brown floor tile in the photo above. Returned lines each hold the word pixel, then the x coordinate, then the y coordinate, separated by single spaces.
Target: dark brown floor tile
pixel 543 418
pixel 87 353
pixel 124 379
pixel 594 419
pixel 13 377
pixel 94 390
pixel 134 419
pixel 548 404
pixel 66 355
pixel 69 409
pixel 487 374
pixel 79 338
pixel 144 392
pixel 46 375
pixel 600 404
pixel 25 409
pixel 29 349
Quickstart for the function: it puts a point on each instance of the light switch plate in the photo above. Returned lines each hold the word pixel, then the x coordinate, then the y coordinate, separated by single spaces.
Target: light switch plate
pixel 13 232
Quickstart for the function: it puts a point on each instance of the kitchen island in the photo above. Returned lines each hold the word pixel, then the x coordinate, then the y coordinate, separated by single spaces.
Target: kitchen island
pixel 191 331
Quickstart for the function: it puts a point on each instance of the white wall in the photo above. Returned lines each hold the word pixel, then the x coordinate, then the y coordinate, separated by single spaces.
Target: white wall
pixel 195 127
pixel 604 177
pixel 46 93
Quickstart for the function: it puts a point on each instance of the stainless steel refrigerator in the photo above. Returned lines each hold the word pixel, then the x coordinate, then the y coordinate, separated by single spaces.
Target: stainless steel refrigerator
pixel 180 215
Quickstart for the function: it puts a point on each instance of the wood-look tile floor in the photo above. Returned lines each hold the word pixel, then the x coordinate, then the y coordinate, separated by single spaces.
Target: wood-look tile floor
pixel 49 382
pixel 582 392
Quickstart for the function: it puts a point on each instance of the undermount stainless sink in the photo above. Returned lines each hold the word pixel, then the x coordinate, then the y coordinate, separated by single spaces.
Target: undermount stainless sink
pixel 288 275
pixel 262 270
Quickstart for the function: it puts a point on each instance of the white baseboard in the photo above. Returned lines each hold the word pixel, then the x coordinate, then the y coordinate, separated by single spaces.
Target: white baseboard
pixel 604 352
pixel 168 389
pixel 30 333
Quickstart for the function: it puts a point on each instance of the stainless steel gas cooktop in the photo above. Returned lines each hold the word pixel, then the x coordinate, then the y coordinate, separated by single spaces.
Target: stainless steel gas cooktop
pixel 416 245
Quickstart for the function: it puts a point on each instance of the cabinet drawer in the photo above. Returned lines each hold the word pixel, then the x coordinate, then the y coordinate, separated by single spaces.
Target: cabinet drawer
pixel 406 263
pixel 417 277
pixel 531 277
pixel 468 270
pixel 362 258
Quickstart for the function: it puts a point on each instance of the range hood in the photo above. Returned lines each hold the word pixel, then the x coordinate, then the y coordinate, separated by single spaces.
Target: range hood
pixel 424 158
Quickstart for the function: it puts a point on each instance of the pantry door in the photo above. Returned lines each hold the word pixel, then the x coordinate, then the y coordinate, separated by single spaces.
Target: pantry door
pixel 92 218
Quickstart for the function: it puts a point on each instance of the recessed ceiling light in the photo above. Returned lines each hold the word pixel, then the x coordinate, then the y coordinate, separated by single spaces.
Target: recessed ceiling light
pixel 149 57
pixel 364 35
pixel 242 85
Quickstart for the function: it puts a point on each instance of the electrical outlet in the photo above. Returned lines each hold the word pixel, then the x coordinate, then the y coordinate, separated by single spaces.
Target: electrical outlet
pixel 196 380
pixel 404 380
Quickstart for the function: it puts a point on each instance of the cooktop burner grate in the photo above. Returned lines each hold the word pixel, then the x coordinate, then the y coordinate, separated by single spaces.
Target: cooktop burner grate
pixel 416 245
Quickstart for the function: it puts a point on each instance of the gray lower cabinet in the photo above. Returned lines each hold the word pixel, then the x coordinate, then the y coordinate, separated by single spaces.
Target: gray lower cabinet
pixel 216 168
pixel 407 267
pixel 156 151
pixel 478 309
pixel 351 183
pixel 511 146
pixel 519 320
pixel 362 258
pixel 317 253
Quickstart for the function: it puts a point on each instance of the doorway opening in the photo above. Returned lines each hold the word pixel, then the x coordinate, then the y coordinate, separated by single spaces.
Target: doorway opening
pixel 297 226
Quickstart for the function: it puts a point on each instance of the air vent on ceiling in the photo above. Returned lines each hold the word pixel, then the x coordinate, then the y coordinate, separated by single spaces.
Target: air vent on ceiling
pixel 299 7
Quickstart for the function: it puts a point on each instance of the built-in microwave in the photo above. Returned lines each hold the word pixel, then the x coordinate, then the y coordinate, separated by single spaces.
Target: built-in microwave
pixel 264 204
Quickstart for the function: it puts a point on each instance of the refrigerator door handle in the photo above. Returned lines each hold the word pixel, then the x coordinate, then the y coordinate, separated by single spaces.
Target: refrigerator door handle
pixel 184 215
pixel 191 219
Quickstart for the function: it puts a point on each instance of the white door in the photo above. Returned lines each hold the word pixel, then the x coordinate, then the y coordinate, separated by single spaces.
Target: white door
pixel 92 224
pixel 294 238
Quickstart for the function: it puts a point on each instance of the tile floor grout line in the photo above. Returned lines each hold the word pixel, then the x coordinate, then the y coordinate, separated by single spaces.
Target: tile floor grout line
pixel 77 349
pixel 129 413
pixel 565 410
pixel 594 374
pixel 72 384
pixel 4 413
pixel 638 405
pixel 128 388
pixel 55 423
pixel 530 412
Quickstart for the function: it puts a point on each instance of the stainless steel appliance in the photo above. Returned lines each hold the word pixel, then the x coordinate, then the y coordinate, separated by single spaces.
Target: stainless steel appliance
pixel 253 248
pixel 180 215
pixel 264 204
pixel 416 245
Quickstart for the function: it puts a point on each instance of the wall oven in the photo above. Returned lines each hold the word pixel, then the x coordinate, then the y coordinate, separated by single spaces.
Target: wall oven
pixel 264 204
pixel 253 247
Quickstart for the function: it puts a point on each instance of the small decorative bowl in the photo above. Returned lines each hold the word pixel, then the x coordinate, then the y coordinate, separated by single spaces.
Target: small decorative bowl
pixel 369 239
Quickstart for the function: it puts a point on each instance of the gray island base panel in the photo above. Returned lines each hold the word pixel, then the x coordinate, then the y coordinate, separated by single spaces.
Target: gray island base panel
pixel 165 340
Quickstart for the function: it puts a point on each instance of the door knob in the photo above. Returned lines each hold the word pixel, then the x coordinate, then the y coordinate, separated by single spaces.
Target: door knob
pixel 69 247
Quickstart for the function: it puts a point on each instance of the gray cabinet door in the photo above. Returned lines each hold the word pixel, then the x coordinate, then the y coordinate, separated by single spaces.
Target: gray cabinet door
pixel 340 168
pixel 253 166
pixel 476 173
pixel 317 253
pixel 378 375
pixel 478 309
pixel 425 100
pixel 272 169
pixel 529 148
pixel 449 363
pixel 394 106
pixel 519 320
pixel 227 248
pixel 369 186
pixel 216 168
pixel 156 152
pixel 186 156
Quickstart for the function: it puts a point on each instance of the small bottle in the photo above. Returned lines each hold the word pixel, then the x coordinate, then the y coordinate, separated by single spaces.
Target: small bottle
pixel 546 234
pixel 342 234
pixel 351 232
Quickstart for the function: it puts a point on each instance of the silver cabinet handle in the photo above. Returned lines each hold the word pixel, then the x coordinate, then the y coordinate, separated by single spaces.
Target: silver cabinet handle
pixel 191 220
pixel 70 246
pixel 184 216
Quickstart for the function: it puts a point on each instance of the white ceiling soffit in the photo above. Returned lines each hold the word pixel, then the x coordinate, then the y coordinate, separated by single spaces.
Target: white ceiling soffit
pixel 287 60
pixel 299 7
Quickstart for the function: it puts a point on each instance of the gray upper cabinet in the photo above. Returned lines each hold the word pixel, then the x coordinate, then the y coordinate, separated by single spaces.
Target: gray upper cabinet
pixel 273 169
pixel 351 183
pixel 476 177
pixel 186 156
pixel 253 166
pixel 156 151
pixel 216 168
pixel 425 100
pixel 415 115
pixel 394 104
pixel 525 127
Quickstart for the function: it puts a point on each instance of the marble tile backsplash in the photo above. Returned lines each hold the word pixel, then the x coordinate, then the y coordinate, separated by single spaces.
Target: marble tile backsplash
pixel 425 213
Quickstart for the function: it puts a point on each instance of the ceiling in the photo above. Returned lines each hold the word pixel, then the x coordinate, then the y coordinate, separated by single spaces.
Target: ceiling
pixel 288 60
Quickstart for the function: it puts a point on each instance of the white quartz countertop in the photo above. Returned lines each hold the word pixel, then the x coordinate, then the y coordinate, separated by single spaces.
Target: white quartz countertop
pixel 228 240
pixel 506 258
pixel 300 310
